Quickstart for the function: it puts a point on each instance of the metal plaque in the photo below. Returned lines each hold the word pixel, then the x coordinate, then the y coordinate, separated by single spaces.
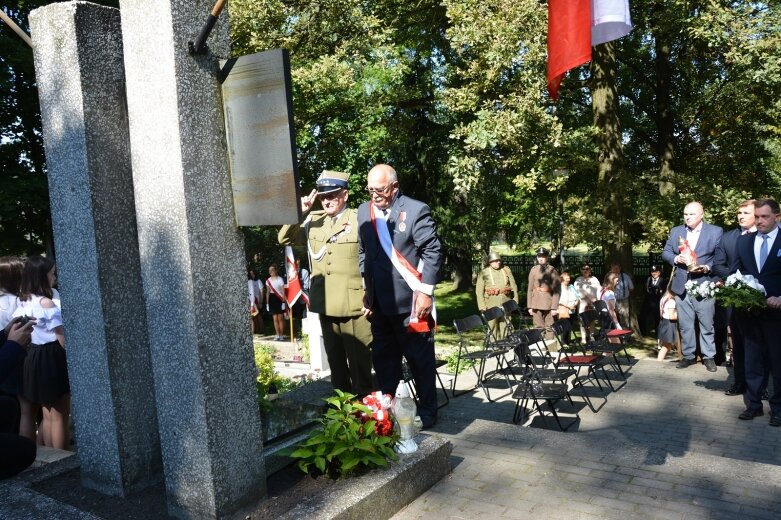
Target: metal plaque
pixel 258 107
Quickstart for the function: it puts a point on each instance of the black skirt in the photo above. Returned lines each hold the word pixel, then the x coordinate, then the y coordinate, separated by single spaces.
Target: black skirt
pixel 45 373
pixel 275 305
pixel 668 331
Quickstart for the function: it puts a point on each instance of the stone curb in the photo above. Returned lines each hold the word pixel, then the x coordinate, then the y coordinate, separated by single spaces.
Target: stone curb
pixel 381 493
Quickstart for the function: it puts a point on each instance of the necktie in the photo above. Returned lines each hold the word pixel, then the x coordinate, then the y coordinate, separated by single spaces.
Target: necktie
pixel 763 252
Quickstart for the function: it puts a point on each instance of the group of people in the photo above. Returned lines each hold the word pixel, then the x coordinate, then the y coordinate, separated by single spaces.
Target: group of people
pixel 34 384
pixel 373 273
pixel 701 252
pixel 551 296
pixel 270 297
pixel 698 253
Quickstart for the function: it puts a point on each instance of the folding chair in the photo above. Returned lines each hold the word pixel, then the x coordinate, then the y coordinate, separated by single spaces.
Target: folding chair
pixel 577 362
pixel 480 353
pixel 532 388
pixel 544 366
pixel 511 310
pixel 608 340
pixel 410 380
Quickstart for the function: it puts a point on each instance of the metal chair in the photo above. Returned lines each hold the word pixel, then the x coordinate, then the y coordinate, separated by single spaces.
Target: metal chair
pixel 607 339
pixel 533 388
pixel 480 352
pixel 590 362
pixel 410 380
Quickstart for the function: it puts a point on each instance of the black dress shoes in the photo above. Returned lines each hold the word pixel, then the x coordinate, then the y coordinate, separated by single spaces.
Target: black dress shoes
pixel 749 414
pixel 775 419
pixel 710 364
pixel 736 389
pixel 428 422
pixel 685 362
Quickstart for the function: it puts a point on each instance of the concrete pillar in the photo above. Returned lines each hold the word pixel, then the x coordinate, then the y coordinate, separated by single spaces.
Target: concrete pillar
pixel 81 84
pixel 192 261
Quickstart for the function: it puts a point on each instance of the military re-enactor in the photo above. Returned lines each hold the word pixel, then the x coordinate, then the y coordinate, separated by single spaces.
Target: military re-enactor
pixel 542 296
pixel 495 285
pixel 336 287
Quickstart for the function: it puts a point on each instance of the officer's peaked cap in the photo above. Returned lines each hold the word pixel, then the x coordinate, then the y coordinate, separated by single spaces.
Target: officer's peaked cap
pixel 332 181
pixel 541 251
pixel 655 268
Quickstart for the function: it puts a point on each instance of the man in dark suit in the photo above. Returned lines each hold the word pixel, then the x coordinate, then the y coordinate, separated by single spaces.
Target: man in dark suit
pixel 701 238
pixel 723 260
pixel 400 256
pixel 759 255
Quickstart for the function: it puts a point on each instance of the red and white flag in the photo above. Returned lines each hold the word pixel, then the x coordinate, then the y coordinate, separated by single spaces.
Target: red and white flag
pixel 293 291
pixel 574 26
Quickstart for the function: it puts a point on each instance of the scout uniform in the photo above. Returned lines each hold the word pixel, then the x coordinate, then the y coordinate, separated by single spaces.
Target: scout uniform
pixel 542 296
pixel 336 288
pixel 494 287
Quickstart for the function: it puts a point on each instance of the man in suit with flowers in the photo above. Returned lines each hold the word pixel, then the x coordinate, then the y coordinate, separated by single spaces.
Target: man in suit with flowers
pixel 759 255
pixel 702 239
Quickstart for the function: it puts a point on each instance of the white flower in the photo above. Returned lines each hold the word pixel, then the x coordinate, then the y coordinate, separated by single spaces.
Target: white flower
pixel 739 280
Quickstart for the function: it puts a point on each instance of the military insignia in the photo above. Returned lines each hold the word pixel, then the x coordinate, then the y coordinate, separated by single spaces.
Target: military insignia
pixel 402 227
pixel 403 216
pixel 347 227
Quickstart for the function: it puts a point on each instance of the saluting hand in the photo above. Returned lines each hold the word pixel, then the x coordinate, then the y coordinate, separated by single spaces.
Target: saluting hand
pixel 308 201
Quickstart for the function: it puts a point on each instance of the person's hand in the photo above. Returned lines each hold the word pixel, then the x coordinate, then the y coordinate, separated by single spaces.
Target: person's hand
pixel 366 309
pixel 774 302
pixel 554 312
pixel 20 333
pixel 308 201
pixel 267 309
pixel 423 305
pixel 531 312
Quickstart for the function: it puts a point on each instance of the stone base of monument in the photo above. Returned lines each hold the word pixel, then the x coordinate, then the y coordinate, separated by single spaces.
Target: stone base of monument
pixel 54 490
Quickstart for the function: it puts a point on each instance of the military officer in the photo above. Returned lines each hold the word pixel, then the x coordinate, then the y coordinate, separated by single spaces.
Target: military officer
pixel 336 286
pixel 542 296
pixel 495 285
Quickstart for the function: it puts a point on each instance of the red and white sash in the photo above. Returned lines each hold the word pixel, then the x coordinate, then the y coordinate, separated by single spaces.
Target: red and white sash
pixel 412 276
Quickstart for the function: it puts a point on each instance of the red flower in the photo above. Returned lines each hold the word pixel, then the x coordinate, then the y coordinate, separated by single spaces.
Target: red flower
pixel 383 428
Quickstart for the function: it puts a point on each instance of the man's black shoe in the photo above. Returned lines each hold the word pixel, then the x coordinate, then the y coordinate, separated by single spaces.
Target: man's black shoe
pixel 749 414
pixel 685 362
pixel 775 419
pixel 736 389
pixel 428 422
pixel 710 364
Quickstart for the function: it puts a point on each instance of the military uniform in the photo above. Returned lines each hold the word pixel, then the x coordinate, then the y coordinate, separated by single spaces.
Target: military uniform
pixel 336 294
pixel 494 287
pixel 542 296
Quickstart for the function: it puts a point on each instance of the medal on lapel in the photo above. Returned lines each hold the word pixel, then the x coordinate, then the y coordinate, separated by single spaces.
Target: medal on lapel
pixel 402 218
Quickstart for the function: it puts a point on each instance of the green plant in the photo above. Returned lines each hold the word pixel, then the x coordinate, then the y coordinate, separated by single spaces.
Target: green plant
pixel 463 366
pixel 344 442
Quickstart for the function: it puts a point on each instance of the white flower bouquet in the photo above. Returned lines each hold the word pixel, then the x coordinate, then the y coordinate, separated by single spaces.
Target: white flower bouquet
pixel 742 291
pixel 703 290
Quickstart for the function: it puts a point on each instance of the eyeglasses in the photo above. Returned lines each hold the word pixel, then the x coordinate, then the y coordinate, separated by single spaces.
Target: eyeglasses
pixel 380 190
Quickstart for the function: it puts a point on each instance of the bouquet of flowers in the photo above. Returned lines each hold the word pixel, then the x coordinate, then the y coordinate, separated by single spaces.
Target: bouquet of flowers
pixel 742 291
pixel 379 404
pixel 702 291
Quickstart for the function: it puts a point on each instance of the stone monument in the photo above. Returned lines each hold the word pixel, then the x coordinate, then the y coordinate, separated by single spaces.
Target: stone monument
pixel 81 84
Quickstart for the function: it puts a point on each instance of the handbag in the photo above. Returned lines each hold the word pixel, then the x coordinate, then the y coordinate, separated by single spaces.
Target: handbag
pixel 563 311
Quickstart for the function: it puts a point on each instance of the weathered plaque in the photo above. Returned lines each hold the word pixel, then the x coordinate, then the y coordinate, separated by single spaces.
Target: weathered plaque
pixel 257 100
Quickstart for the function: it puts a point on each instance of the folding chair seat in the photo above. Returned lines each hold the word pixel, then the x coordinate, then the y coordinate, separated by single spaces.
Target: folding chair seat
pixel 533 388
pixel 410 380
pixel 579 361
pixel 480 351
pixel 511 311
pixel 506 342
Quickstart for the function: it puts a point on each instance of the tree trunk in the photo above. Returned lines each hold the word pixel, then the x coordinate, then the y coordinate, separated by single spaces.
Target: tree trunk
pixel 611 179
pixel 665 148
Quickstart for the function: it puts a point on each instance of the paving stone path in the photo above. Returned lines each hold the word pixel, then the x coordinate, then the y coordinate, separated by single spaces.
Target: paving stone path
pixel 668 445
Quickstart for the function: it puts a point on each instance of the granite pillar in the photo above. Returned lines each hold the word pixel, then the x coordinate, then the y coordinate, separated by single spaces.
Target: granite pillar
pixel 192 261
pixel 81 84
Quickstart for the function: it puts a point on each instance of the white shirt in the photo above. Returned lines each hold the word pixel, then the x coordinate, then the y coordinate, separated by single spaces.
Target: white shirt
pixel 693 235
pixel 758 244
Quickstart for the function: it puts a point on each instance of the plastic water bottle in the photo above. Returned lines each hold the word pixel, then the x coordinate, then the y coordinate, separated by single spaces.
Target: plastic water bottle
pixel 404 412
